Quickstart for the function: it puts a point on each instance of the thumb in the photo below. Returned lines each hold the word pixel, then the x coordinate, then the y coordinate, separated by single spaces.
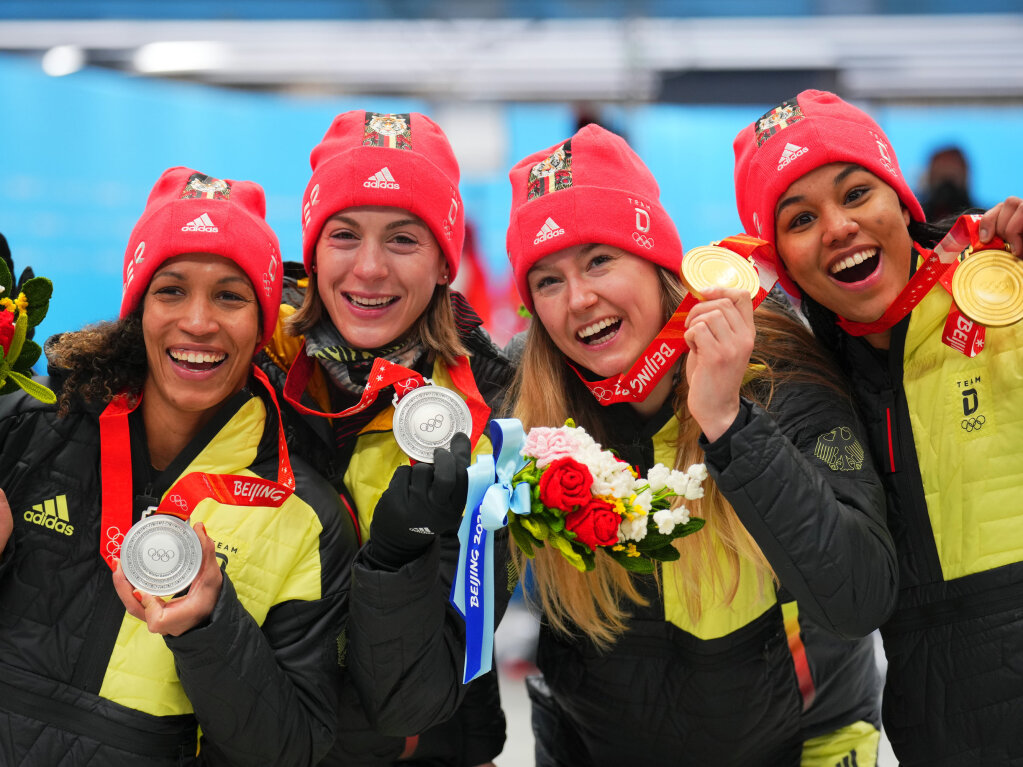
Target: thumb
pixel 461 449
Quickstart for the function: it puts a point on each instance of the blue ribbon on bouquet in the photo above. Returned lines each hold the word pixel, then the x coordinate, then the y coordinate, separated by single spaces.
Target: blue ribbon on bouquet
pixel 490 497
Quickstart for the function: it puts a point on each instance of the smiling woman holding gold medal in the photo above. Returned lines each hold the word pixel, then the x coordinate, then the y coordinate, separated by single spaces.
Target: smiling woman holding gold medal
pixel 163 471
pixel 925 321
pixel 382 363
pixel 706 660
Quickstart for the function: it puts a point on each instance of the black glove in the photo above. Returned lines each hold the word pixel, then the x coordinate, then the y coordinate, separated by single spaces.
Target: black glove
pixel 421 502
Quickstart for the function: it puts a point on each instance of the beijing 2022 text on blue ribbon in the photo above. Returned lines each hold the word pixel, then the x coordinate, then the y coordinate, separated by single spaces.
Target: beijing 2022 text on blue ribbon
pixel 490 497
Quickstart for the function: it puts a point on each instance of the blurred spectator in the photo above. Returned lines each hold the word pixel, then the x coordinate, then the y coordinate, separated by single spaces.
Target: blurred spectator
pixel 497 304
pixel 947 191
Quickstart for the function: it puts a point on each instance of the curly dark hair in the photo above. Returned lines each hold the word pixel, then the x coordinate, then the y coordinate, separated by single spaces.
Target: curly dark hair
pixel 99 361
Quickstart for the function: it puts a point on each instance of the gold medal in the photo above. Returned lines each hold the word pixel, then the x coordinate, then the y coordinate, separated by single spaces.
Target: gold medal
pixel 711 266
pixel 988 287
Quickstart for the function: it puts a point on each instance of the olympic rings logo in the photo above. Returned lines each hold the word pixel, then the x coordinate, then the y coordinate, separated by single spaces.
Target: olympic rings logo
pixel 179 501
pixel 601 393
pixel 973 424
pixel 114 538
pixel 433 424
pixel 161 555
pixel 642 240
pixel 404 387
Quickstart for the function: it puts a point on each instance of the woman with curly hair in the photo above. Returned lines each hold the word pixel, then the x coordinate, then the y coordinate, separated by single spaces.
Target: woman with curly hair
pixel 161 417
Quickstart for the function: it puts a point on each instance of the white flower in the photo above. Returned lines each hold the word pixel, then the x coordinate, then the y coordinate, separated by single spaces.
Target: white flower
pixel 698 471
pixel 632 529
pixel 644 500
pixel 680 515
pixel 677 482
pixel 658 477
pixel 611 477
pixel 665 521
pixel 693 490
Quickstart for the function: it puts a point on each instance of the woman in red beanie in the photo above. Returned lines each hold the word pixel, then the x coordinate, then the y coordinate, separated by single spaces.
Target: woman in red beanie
pixel 162 470
pixel 940 395
pixel 383 226
pixel 748 649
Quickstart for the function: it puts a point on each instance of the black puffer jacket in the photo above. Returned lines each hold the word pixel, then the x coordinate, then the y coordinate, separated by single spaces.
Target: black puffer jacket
pixel 733 698
pixel 397 712
pixel 946 431
pixel 83 683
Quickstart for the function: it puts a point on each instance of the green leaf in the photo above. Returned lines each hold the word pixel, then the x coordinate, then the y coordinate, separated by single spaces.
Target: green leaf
pixel 655 540
pixel 34 388
pixel 665 554
pixel 20 331
pixel 6 281
pixel 568 552
pixel 9 386
pixel 523 539
pixel 536 527
pixel 38 291
pixel 693 525
pixel 632 564
pixel 30 354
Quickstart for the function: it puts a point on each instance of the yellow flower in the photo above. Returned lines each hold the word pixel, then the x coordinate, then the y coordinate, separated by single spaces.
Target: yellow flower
pixel 632 551
pixel 22 302
pixel 618 547
pixel 7 304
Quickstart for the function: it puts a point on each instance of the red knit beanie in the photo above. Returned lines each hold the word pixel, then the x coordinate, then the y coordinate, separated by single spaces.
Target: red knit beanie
pixel 397 160
pixel 800 135
pixel 190 212
pixel 591 188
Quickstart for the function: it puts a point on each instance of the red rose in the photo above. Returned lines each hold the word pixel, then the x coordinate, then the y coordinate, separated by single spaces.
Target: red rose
pixel 565 484
pixel 6 329
pixel 595 524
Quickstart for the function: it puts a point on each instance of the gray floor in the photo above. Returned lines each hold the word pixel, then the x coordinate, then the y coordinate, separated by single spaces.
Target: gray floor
pixel 514 639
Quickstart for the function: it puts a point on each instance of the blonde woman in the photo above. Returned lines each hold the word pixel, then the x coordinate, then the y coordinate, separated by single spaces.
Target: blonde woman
pixel 694 665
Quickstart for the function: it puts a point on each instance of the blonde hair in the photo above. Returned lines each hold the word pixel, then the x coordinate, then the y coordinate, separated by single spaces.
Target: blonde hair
pixel 435 328
pixel 546 392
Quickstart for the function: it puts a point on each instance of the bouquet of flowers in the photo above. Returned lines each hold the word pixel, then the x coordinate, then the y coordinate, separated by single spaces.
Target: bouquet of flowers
pixel 584 498
pixel 20 310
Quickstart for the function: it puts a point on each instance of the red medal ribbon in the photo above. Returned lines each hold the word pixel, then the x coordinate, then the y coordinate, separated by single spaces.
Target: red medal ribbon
pixel 187 492
pixel 383 374
pixel 635 384
pixel 962 235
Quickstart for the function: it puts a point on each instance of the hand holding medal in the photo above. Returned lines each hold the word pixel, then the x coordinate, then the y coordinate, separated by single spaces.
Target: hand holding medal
pixel 719 333
pixel 196 568
pixel 988 286
pixel 160 555
pixel 988 283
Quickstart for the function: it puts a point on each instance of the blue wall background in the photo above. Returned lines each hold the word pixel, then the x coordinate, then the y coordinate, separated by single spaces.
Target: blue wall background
pixel 79 154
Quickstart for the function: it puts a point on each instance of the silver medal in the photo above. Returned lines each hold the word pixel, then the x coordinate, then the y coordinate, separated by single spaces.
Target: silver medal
pixel 427 418
pixel 161 555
